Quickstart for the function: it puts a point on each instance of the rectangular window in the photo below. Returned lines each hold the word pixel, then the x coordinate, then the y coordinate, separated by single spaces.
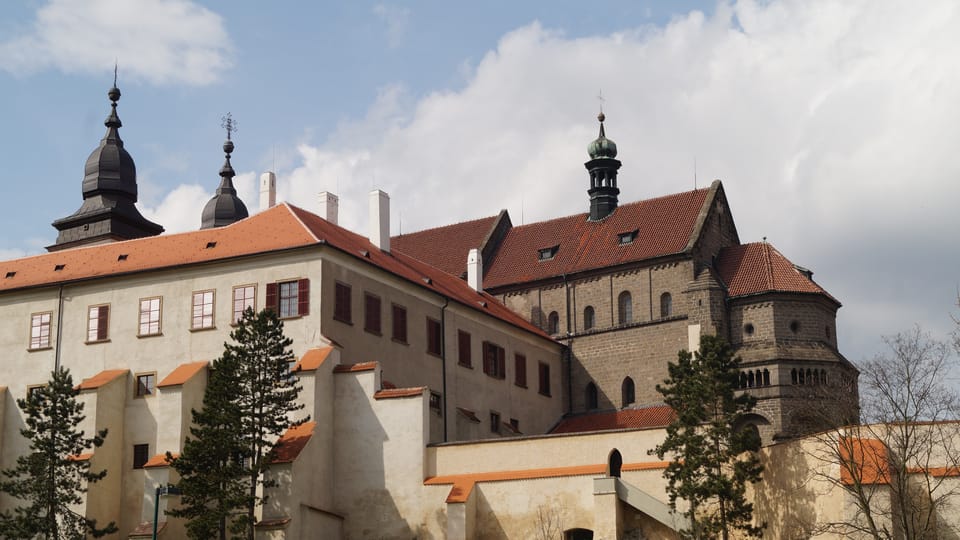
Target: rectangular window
pixel 433 336
pixel 463 344
pixel 40 330
pixel 494 422
pixel 520 370
pixel 399 323
pixel 244 296
pixel 494 360
pixel 149 316
pixel 341 303
pixel 435 403
pixel 33 389
pixel 544 379
pixel 371 313
pixel 289 298
pixel 98 320
pixel 202 310
pixel 146 383
pixel 141 454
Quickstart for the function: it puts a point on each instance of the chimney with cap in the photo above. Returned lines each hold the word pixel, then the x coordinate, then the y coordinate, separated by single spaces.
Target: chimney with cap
pixel 475 270
pixel 329 204
pixel 268 190
pixel 380 219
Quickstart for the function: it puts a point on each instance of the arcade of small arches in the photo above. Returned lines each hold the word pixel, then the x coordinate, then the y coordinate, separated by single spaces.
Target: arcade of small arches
pixel 628 394
pixel 624 313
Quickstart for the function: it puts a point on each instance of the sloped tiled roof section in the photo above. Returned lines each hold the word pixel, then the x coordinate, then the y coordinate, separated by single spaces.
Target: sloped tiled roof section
pixel 647 417
pixel 445 247
pixel 758 268
pixel 280 228
pixel 663 226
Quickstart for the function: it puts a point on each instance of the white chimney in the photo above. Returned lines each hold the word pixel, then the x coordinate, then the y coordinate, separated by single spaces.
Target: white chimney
pixel 268 190
pixel 380 219
pixel 475 270
pixel 329 204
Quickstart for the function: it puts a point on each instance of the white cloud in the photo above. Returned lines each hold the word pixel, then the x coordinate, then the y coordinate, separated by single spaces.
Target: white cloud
pixel 180 209
pixel 832 125
pixel 397 20
pixel 161 41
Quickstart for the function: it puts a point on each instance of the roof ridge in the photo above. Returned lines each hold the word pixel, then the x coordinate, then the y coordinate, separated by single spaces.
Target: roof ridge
pixel 293 210
pixel 447 226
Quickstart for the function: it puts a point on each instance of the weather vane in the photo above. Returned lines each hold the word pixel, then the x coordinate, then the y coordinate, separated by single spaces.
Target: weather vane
pixel 601 100
pixel 229 124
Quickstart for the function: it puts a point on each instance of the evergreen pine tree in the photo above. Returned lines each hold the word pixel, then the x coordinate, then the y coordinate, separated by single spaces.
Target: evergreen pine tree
pixel 266 395
pixel 248 403
pixel 711 463
pixel 210 467
pixel 51 479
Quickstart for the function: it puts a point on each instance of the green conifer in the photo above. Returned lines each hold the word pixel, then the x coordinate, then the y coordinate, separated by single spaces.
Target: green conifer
pixel 51 479
pixel 711 462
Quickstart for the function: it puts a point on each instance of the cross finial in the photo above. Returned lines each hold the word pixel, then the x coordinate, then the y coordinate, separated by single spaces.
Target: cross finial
pixel 114 73
pixel 601 99
pixel 228 123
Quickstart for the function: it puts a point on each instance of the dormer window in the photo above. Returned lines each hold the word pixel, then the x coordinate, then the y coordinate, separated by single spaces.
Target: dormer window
pixel 547 254
pixel 627 238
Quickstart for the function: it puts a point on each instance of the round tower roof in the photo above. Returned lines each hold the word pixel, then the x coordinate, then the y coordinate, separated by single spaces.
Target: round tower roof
pixel 110 169
pixel 602 147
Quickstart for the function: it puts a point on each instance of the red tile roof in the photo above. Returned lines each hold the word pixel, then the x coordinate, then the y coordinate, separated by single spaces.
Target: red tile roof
pixel 292 442
pixel 758 268
pixel 445 247
pixel 391 393
pixel 279 228
pixel 350 368
pixel 312 359
pixel 664 226
pixel 101 379
pixel 182 374
pixel 159 460
pixel 647 417
pixel 863 460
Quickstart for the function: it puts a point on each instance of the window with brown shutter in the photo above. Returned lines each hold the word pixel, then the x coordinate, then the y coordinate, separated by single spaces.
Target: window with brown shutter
pixel 399 323
pixel 303 297
pixel 141 454
pixel 520 370
pixel 98 320
pixel 463 344
pixel 272 297
pixel 544 379
pixel 433 336
pixel 371 313
pixel 341 303
pixel 494 360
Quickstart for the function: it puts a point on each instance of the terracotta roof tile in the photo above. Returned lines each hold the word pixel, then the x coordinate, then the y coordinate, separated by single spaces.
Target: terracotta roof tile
pixel 292 442
pixel 758 268
pixel 101 379
pixel 350 368
pixel 664 226
pixel 468 414
pixel 182 374
pixel 936 472
pixel 863 459
pixel 445 247
pixel 159 460
pixel 275 523
pixel 80 457
pixel 647 417
pixel 145 529
pixel 282 227
pixel 391 393
pixel 312 359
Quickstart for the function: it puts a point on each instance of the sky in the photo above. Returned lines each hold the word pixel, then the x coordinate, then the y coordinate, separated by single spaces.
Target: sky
pixel 834 125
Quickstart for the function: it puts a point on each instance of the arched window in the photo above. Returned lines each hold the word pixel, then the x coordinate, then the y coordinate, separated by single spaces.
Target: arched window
pixel 743 380
pixel 816 376
pixel 759 378
pixel 809 377
pixel 766 377
pixel 628 392
pixel 666 305
pixel 823 376
pixel 588 318
pixel 793 376
pixel 553 323
pixel 750 379
pixel 802 380
pixel 591 396
pixel 625 308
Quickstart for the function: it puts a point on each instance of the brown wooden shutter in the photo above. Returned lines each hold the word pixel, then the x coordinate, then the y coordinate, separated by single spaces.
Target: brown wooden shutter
pixel 103 320
pixel 303 297
pixel 487 354
pixel 502 362
pixel 520 369
pixel 464 346
pixel 272 302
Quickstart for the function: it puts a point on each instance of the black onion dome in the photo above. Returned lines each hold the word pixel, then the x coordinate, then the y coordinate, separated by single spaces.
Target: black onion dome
pixel 110 169
pixel 225 207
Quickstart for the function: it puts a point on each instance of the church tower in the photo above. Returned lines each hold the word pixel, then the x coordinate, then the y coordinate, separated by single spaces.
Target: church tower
pixel 603 167
pixel 225 207
pixel 108 212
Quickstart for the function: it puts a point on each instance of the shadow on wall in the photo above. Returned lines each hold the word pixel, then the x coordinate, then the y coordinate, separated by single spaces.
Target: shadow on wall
pixel 786 477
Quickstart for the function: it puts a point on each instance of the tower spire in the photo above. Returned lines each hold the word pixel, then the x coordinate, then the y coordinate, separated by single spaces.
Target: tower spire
pixel 225 207
pixel 603 167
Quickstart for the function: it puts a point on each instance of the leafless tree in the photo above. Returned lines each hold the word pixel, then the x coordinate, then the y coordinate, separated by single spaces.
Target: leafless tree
pixel 895 464
pixel 549 523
